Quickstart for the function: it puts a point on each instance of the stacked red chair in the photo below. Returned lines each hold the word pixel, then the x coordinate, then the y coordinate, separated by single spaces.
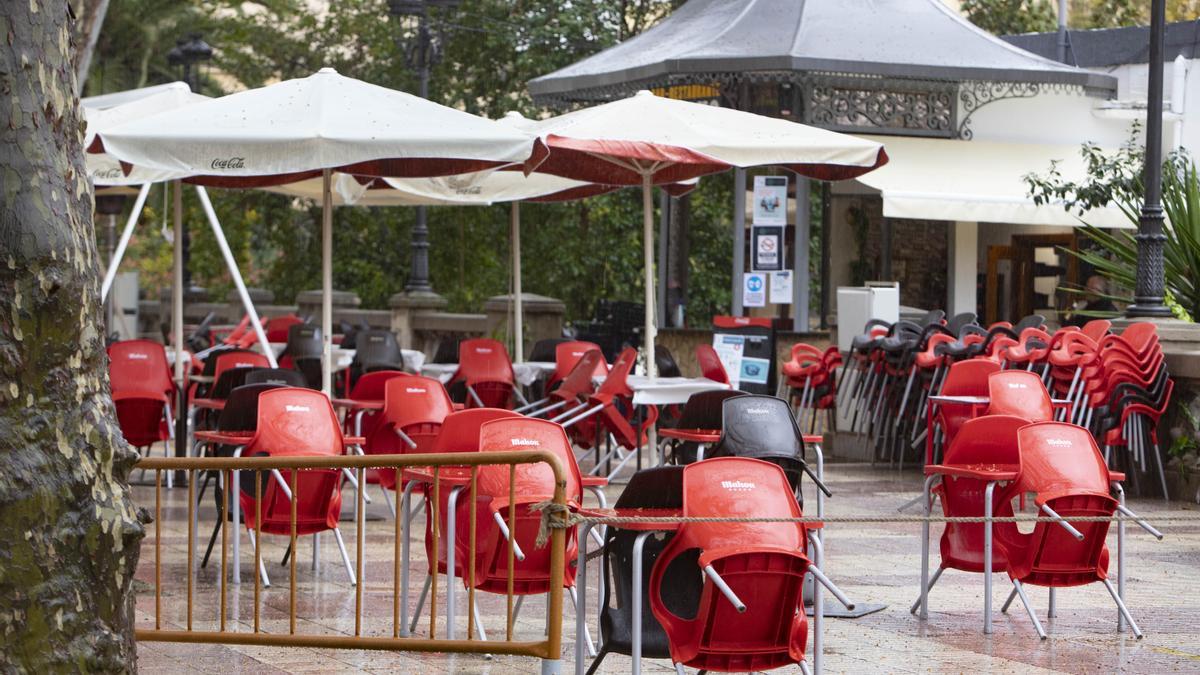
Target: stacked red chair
pixel 612 408
pixel 296 422
pixel 532 483
pixel 963 483
pixel 811 379
pixel 414 410
pixel 140 378
pixel 570 397
pixel 485 373
pixel 1062 467
pixel 965 378
pixel 749 615
pixel 710 364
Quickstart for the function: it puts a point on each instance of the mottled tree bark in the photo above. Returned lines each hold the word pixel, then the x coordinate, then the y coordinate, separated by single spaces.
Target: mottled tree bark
pixel 69 529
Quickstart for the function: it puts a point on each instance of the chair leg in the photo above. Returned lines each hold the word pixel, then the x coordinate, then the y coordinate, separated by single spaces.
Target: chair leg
pixel 932 580
pixel 213 539
pixel 517 607
pixel 587 635
pixel 388 500
pixel 596 661
pixel 1162 478
pixel 1052 610
pixel 1121 606
pixel 262 567
pixel 679 669
pixel 421 604
pixel 804 668
pixel 337 534
pixel 1012 596
pixel 1037 625
pixel 479 622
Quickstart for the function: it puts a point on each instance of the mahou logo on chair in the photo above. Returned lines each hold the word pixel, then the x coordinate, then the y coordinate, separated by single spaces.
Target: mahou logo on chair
pixel 525 442
pixel 737 485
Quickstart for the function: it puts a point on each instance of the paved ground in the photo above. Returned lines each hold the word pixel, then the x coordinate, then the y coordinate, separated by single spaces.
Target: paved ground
pixel 872 563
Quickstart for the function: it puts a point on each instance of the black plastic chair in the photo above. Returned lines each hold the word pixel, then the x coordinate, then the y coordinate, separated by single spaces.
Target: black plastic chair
pixel 544 349
pixel 375 349
pixel 762 427
pixel 447 350
pixel 703 410
pixel 228 381
pixel 657 488
pixel 304 346
pixel 277 376
pixel 665 362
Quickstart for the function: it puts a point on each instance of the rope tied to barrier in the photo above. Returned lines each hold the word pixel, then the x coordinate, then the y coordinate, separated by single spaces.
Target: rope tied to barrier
pixel 559 516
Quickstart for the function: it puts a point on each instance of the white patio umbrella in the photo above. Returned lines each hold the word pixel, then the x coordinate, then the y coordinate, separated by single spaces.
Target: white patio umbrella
pixel 315 126
pixel 648 140
pixel 480 188
pixel 107 175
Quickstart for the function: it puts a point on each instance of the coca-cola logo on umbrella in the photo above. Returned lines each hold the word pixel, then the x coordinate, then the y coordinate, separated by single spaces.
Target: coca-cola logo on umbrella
pixel 229 163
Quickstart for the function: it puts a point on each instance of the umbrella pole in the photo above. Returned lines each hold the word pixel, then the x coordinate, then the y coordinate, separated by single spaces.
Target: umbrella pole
pixel 326 284
pixel 181 408
pixel 119 253
pixel 518 309
pixel 223 244
pixel 648 261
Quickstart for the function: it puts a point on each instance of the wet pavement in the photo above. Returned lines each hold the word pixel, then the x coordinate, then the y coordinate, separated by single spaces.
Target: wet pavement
pixel 873 563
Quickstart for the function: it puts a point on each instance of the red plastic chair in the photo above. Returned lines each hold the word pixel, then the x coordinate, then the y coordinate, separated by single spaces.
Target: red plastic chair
pixel 414 409
pixel 1021 394
pixel 297 422
pixel 485 369
pixel 612 408
pixel 762 563
pixel 567 354
pixel 1062 467
pixel 277 327
pixel 965 378
pixel 983 446
pixel 140 379
pixel 710 364
pixel 370 386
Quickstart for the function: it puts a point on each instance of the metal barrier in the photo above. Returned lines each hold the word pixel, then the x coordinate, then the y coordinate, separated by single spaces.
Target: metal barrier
pixel 549 650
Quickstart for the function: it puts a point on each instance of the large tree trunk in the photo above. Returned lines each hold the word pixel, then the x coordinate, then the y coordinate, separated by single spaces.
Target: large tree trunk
pixel 70 531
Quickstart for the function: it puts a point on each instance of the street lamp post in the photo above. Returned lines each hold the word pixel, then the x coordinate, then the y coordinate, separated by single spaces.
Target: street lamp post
pixel 1148 292
pixel 421 55
pixel 188 53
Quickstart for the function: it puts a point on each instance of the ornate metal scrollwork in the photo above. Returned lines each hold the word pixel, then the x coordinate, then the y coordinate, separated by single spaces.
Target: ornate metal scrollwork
pixel 974 95
pixel 909 107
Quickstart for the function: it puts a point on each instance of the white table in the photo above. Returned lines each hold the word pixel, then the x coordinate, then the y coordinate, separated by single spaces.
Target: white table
pixel 668 390
pixel 342 358
pixel 187 357
pixel 525 373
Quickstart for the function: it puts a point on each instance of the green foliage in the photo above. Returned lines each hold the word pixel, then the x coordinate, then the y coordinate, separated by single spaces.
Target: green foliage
pixel 1117 179
pixel 1009 17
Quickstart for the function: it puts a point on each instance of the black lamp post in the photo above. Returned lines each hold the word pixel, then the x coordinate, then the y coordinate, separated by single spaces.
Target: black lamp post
pixel 1148 293
pixel 188 53
pixel 421 55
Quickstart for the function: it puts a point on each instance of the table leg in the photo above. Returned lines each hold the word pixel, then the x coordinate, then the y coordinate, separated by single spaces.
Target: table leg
pixel 987 557
pixel 406 514
pixel 581 608
pixel 639 545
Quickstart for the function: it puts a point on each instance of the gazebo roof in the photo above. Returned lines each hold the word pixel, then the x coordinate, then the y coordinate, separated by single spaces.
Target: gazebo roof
pixel 918 39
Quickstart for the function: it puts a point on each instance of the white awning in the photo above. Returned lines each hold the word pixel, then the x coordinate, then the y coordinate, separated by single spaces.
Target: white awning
pixel 977 181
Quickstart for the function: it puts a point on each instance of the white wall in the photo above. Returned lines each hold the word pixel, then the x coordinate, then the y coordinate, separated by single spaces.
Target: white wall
pixel 962 268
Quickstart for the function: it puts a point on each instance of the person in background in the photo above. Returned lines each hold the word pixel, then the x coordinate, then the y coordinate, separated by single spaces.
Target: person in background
pixel 1100 302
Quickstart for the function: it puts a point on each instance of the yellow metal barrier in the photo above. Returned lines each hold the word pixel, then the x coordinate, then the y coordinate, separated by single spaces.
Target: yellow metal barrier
pixel 549 650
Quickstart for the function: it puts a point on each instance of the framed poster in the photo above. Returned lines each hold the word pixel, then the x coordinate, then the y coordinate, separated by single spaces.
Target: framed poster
pixel 768 248
pixel 770 200
pixel 754 290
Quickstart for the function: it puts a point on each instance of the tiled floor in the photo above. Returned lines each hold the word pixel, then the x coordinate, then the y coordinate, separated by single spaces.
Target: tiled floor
pixel 877 563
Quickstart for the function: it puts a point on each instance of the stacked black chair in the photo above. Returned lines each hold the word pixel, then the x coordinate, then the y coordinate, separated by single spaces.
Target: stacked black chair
pixel 762 427
pixel 278 377
pixel 657 488
pixel 375 349
pixel 703 410
pixel 664 362
pixel 304 346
